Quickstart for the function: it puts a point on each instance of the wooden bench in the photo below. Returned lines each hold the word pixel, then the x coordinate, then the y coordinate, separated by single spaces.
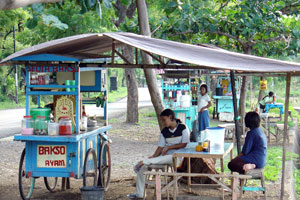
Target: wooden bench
pixel 218 178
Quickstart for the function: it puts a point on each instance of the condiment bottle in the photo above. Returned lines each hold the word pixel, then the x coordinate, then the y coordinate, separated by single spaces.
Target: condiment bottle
pixel 27 125
pixel 65 126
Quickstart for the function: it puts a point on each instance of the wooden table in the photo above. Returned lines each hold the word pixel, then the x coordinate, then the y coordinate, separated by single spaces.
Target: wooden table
pixel 190 152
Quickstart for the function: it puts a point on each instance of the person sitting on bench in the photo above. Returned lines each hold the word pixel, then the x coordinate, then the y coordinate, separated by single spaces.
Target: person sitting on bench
pixel 174 136
pixel 254 152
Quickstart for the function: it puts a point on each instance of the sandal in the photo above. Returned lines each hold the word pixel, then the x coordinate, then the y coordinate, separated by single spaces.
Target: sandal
pixel 133 196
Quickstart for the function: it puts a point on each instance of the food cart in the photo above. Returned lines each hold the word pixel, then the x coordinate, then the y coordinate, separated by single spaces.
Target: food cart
pixel 223 98
pixel 180 92
pixel 82 154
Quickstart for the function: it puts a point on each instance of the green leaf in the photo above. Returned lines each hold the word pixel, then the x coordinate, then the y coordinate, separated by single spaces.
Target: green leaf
pixel 32 23
pixel 38 8
pixel 107 3
pixel 51 20
pixel 91 3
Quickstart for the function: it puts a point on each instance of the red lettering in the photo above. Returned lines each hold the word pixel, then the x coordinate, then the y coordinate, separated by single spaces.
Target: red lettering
pixel 46 162
pixel 47 69
pixel 61 69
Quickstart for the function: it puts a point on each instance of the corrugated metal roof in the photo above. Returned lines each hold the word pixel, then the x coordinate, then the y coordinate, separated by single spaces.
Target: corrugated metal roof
pixel 94 45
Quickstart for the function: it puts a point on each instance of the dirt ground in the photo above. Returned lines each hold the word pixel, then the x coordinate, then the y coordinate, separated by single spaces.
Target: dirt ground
pixel 131 142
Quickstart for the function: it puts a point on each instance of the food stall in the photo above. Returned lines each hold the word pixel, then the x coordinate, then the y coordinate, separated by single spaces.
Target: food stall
pixel 223 98
pixel 180 92
pixel 63 141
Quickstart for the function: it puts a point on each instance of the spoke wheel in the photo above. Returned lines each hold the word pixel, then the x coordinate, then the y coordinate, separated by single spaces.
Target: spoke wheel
pixel 104 166
pixel 26 184
pixel 50 183
pixel 90 169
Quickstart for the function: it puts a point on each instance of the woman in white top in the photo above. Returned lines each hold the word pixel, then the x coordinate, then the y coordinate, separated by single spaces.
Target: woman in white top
pixel 203 104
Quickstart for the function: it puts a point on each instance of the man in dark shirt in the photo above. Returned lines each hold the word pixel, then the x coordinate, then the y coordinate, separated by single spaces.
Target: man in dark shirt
pixel 254 152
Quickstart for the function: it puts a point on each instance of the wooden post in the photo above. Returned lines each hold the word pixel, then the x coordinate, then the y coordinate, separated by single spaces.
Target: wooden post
pixel 236 117
pixel 158 187
pixel 113 52
pixel 285 132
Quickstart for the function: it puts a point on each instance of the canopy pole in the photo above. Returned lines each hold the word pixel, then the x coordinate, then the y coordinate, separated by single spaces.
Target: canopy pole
pixel 236 117
pixel 285 131
pixel 113 52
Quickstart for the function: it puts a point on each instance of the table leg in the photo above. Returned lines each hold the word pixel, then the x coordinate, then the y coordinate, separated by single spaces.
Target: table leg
pixel 189 171
pixel 222 165
pixel 175 184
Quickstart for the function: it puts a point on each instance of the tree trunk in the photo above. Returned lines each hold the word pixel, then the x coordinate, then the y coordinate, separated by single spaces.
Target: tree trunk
pixel 132 115
pixel 149 73
pixel 242 104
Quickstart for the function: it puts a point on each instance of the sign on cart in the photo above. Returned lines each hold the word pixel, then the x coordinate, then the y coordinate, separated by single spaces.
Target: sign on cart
pixel 52 156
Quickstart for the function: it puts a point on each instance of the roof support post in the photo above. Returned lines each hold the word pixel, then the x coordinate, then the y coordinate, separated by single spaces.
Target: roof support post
pixel 113 52
pixel 150 54
pixel 236 117
pixel 285 131
pixel 136 56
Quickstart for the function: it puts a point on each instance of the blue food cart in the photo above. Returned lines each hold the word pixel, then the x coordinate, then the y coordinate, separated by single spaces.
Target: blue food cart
pixel 84 154
pixel 223 98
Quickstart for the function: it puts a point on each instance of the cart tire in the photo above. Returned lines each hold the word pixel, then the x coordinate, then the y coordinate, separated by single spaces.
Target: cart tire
pixel 90 169
pixel 195 132
pixel 26 185
pixel 50 183
pixel 104 166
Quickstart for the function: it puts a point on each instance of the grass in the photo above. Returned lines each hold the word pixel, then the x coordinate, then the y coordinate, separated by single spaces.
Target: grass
pixel 297 181
pixel 114 96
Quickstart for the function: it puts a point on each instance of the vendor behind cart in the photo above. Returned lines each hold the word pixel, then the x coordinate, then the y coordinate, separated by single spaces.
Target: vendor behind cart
pixel 174 136
pixel 204 103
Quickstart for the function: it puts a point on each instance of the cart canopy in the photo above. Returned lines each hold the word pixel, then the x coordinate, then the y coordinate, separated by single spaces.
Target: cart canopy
pixel 96 45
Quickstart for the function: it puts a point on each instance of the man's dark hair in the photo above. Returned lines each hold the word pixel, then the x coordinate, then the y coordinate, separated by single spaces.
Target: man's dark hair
pixel 271 94
pixel 252 120
pixel 168 112
pixel 205 87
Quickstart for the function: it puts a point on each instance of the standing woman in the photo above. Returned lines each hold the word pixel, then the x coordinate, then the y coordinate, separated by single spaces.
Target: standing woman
pixel 203 104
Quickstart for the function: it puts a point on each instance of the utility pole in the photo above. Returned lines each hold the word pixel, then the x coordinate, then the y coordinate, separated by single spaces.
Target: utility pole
pixel 16 67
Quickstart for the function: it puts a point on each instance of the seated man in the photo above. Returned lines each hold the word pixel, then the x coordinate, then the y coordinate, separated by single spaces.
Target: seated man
pixel 254 152
pixel 174 136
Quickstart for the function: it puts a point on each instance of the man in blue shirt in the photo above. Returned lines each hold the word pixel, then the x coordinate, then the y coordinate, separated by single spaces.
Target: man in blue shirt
pixel 254 152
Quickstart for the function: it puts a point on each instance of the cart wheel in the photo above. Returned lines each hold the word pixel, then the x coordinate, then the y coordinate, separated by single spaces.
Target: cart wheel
pixel 195 132
pixel 105 166
pixel 90 169
pixel 50 183
pixel 26 184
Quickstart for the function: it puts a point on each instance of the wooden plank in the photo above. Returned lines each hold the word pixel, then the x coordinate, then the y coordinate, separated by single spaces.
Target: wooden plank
pixel 189 171
pixel 286 109
pixel 170 184
pixel 220 183
pixel 240 176
pixel 234 188
pixel 158 187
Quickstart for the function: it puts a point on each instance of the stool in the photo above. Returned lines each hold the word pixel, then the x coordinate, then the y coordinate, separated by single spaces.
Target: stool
pixel 257 174
pixel 229 130
pixel 149 181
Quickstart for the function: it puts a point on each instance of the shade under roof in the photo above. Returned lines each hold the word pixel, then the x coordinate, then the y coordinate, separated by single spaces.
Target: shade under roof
pixel 93 45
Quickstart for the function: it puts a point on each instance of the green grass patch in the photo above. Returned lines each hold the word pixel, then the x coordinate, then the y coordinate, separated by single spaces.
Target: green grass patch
pixel 297 181
pixel 114 96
